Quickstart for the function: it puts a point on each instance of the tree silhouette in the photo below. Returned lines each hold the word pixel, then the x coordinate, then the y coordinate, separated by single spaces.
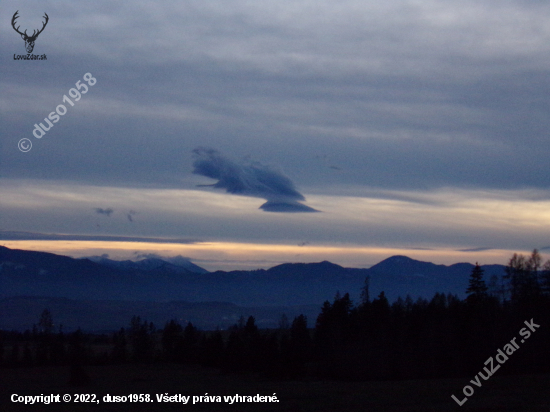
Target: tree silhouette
pixel 250 328
pixel 522 274
pixel 2 349
pixel 141 339
pixel 44 337
pixel 477 289
pixel 120 347
pixel 190 342
pixel 365 294
pixel 545 278
pixel 212 349
pixel 299 348
pixel 172 341
pixel 45 324
pixel 283 322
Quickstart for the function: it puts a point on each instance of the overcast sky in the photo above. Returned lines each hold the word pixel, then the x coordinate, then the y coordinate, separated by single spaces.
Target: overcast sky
pixel 245 134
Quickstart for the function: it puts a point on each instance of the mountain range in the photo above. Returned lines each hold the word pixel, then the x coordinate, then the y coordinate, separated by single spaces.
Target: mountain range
pixel 28 276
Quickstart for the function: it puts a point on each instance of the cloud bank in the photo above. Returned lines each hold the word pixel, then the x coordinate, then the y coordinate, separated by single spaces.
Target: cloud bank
pixel 250 179
pixel 20 235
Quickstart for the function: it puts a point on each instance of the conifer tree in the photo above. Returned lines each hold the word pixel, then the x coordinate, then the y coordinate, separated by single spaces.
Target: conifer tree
pixel 477 289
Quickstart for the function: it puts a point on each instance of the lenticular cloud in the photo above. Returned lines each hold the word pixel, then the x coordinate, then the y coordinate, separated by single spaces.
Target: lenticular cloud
pixel 249 179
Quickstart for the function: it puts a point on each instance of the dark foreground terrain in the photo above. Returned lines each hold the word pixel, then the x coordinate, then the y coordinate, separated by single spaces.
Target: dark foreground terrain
pixel 529 393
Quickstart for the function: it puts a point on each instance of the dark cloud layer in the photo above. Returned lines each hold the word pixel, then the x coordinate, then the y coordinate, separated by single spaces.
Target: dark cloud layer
pixel 476 249
pixel 19 235
pixel 249 179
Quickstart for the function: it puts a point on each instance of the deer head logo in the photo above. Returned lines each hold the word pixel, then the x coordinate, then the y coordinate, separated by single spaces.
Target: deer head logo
pixel 29 40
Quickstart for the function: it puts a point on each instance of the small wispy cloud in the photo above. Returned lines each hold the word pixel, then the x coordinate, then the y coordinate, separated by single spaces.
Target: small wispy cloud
pixel 476 249
pixel 130 214
pixel 249 178
pixel 106 212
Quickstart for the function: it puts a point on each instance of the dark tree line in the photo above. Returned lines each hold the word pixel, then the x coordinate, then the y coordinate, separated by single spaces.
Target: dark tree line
pixel 407 339
pixel 45 346
pixel 443 337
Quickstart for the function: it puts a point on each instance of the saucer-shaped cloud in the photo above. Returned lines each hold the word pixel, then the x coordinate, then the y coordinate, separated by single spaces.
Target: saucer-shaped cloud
pixel 250 179
pixel 289 207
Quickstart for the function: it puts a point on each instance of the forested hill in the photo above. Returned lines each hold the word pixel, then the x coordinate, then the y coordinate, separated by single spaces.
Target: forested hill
pixel 26 273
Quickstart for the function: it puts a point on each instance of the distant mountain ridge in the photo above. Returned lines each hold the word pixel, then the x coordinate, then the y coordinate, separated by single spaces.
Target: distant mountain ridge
pixel 175 265
pixel 155 279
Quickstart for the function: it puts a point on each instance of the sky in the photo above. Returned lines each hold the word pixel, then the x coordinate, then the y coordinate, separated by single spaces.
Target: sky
pixel 245 134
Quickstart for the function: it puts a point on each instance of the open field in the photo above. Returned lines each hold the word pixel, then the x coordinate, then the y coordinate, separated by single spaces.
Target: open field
pixel 529 393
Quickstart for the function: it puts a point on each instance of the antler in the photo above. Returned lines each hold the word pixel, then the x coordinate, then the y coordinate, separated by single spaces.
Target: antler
pixel 15 16
pixel 34 33
pixel 42 29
